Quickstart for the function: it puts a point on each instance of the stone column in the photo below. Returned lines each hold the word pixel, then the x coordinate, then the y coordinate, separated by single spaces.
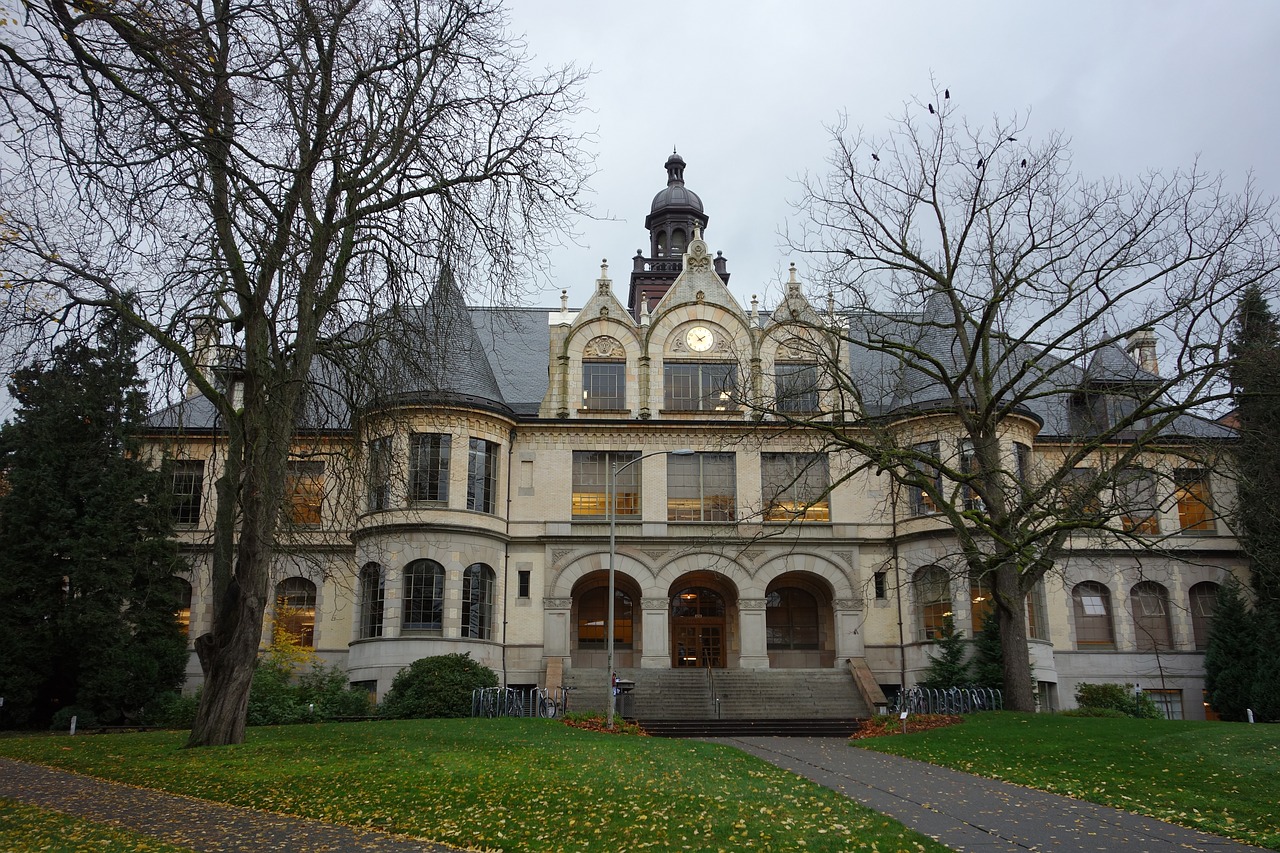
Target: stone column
pixel 849 642
pixel 656 633
pixel 392 605
pixel 755 646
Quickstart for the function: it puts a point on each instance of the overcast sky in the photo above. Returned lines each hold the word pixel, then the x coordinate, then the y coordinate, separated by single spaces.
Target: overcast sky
pixel 745 91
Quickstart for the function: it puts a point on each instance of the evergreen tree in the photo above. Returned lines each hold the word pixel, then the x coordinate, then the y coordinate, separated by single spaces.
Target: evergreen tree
pixel 87 594
pixel 1264 698
pixel 949 667
pixel 1230 659
pixel 1255 378
pixel 988 659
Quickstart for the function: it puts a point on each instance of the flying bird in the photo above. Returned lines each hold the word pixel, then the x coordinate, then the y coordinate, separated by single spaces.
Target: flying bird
pixel 946 93
pixel 1011 139
pixel 931 109
pixel 875 156
pixel 1024 162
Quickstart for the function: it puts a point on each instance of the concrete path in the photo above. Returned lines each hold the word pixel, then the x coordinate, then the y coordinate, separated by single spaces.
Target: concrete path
pixel 967 812
pixel 188 822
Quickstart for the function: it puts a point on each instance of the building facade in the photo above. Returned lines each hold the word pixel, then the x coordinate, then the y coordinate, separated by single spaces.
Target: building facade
pixel 463 506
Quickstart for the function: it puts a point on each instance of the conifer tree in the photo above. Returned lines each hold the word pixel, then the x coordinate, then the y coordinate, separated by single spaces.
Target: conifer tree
pixel 949 667
pixel 988 659
pixel 1230 659
pixel 87 593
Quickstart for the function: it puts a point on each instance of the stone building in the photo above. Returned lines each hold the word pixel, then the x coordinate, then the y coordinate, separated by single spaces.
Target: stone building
pixel 463 505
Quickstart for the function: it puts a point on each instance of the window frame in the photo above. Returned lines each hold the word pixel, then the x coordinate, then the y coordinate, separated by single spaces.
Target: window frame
pixel 1136 494
pixel 1202 622
pixel 422 588
pixel 304 492
pixel 1194 497
pixel 373 597
pixel 378 477
pixel 429 466
pixel 187 503
pixel 933 605
pixel 715 383
pixel 791 488
pixel 790 614
pixel 587 504
pixel 681 487
pixel 1093 636
pixel 479 582
pixel 595 369
pixel 1152 619
pixel 796 390
pixel 297 607
pixel 482 475
pixel 922 503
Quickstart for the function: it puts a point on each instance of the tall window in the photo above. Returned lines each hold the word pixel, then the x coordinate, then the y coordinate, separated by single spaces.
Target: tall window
pixel 933 597
pixel 591 483
pixel 379 491
pixel 795 486
pixel 1149 602
pixel 188 491
pixel 604 385
pixel 791 619
pixel 969 468
pixel 423 596
pixel 1091 602
pixel 702 386
pixel 296 609
pixel 593 615
pixel 1079 494
pixel 1204 603
pixel 429 466
pixel 1022 463
pixel 797 388
pixel 183 613
pixel 482 475
pixel 922 503
pixel 1037 613
pixel 304 492
pixel 1136 491
pixel 981 602
pixel 1195 504
pixel 373 592
pixel 477 602
pixel 701 487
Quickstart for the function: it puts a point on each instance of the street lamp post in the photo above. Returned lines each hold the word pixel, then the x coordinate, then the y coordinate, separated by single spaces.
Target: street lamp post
pixel 614 470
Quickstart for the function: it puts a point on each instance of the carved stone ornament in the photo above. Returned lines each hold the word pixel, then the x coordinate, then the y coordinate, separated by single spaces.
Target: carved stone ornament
pixel 654 603
pixel 752 554
pixel 655 553
pixel 697 258
pixel 848 604
pixel 603 346
pixel 558 555
pixel 847 556
pixel 793 349
pixel 557 603
pixel 751 603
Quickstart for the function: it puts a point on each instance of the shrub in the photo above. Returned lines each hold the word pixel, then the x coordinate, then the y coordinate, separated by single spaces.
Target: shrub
pixel 273 699
pixel 85 719
pixel 326 693
pixel 1086 711
pixel 1122 698
pixel 436 687
pixel 171 710
pixel 948 668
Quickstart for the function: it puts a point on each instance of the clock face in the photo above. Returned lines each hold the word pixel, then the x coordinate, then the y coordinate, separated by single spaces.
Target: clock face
pixel 699 339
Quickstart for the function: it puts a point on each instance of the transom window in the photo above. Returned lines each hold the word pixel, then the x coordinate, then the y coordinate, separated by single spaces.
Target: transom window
pixel 1091 602
pixel 701 487
pixel 797 388
pixel 429 466
pixel 604 385
pixel 482 475
pixel 703 386
pixel 423 596
pixel 795 486
pixel 188 491
pixel 591 483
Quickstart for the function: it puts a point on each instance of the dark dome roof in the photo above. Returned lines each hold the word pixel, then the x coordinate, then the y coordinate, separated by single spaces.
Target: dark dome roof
pixel 676 195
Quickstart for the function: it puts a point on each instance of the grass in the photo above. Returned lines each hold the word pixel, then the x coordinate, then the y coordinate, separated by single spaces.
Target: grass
pixel 28 829
pixel 495 784
pixel 1222 778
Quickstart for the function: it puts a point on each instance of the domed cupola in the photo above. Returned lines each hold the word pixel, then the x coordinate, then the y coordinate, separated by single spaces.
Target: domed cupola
pixel 674 217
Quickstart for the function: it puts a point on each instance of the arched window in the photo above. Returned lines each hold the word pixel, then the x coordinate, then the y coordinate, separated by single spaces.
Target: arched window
pixel 296 610
pixel 593 614
pixel 423 596
pixel 373 590
pixel 1092 605
pixel 182 615
pixel 477 602
pixel 933 597
pixel 1204 603
pixel 1149 602
pixel 791 619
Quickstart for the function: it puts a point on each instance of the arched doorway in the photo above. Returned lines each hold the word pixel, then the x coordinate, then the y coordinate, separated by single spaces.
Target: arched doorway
pixel 701 607
pixel 799 622
pixel 590 621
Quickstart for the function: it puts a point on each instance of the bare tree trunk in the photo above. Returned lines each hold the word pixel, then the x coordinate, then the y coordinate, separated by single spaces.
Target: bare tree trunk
pixel 1011 613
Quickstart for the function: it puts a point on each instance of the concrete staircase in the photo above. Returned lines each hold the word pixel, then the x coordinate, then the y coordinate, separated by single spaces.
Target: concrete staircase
pixel 772 700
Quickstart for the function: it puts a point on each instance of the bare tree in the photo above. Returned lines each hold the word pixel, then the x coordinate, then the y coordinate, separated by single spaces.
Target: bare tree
pixel 258 177
pixel 981 299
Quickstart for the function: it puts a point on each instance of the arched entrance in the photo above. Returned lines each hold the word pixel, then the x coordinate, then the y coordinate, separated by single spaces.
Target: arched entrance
pixel 799 622
pixel 700 610
pixel 590 618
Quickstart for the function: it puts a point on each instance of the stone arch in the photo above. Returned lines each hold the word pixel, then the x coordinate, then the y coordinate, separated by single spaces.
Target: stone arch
pixel 567 578
pixel 666 576
pixel 842 586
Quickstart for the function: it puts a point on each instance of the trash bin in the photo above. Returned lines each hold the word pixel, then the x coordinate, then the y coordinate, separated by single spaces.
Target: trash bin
pixel 622 689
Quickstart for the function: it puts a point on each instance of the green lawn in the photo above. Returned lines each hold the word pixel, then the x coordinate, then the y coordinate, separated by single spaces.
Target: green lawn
pixel 496 784
pixel 1222 778
pixel 27 829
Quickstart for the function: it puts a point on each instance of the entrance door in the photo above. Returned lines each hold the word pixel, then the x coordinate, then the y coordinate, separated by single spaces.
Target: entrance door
pixel 697 628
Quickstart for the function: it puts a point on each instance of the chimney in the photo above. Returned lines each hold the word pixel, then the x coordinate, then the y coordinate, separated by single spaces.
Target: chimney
pixel 1141 347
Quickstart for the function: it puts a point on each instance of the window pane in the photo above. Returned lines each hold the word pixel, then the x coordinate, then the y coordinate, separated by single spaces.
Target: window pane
pixel 1204 602
pixel 593 613
pixel 1195 506
pixel 429 466
pixel 604 385
pixel 482 475
pixel 188 492
pixel 304 492
pixel 1137 495
pixel 700 386
pixel 591 483
pixel 797 388
pixel 372 598
pixel 423 596
pixel 1149 603
pixel 1092 605
pixel 477 602
pixel 701 487
pixel 922 503
pixel 791 619
pixel 296 610
pixel 795 486
pixel 933 596
pixel 379 483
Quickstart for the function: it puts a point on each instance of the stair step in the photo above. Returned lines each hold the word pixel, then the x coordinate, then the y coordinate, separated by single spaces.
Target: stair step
pixel 749 728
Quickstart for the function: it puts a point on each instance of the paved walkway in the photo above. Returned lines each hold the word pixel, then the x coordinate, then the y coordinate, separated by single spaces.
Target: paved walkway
pixel 967 812
pixel 188 822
